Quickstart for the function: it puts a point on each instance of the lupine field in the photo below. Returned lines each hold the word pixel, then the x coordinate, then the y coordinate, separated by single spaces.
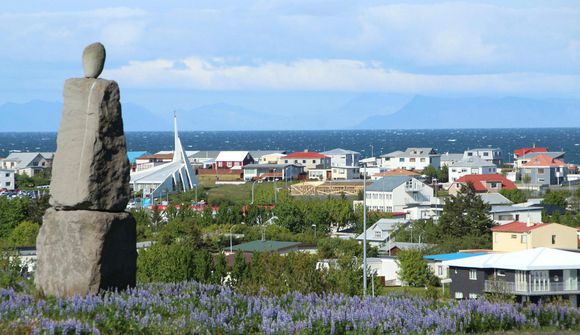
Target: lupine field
pixel 192 308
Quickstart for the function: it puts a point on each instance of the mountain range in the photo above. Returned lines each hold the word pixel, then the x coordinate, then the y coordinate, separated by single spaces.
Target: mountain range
pixel 366 111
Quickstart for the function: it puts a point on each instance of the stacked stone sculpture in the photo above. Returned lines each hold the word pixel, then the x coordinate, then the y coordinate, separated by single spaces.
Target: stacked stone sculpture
pixel 87 241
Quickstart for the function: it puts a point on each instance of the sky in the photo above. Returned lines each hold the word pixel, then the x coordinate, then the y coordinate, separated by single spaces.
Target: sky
pixel 305 56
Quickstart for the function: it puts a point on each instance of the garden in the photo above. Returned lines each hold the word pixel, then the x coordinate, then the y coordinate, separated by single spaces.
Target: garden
pixel 194 308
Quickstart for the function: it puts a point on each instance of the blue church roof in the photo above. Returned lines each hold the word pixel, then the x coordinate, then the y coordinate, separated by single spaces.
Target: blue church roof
pixel 133 155
pixel 452 256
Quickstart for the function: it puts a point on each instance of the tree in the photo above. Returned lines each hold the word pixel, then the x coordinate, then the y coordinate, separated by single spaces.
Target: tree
pixel 220 269
pixel 556 198
pixel 166 263
pixel 517 196
pixel 203 266
pixel 240 269
pixel 465 216
pixel 24 234
pixel 431 172
pixel 414 270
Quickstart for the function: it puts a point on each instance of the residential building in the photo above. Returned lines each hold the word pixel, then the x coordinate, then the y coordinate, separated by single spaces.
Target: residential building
pixel 203 158
pixel 411 159
pixel 435 262
pixel 395 172
pixel 495 199
pixel 7 180
pixel 310 160
pixel 379 234
pixel 519 163
pixel 386 269
pixel 145 162
pixel 345 172
pixel 504 214
pixel 470 165
pixel 269 158
pixel 320 174
pixel 394 247
pixel 448 159
pixel 342 157
pixel 524 151
pixel 29 163
pixel 491 155
pixel 544 170
pixel 482 183
pixel 233 159
pixel 531 275
pixel 272 171
pixel 521 235
pixel 396 193
pixel 280 247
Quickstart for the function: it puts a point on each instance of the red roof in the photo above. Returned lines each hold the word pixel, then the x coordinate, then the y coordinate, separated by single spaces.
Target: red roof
pixel 306 154
pixel 478 181
pixel 545 161
pixel 524 151
pixel 517 227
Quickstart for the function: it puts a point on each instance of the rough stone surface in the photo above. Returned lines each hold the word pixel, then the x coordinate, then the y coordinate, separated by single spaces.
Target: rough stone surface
pixel 81 252
pixel 94 60
pixel 90 168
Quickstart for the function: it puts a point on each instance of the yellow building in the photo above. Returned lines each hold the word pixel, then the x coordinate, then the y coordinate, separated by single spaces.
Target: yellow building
pixel 517 236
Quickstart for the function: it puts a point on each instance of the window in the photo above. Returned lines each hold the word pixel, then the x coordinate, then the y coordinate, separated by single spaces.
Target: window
pixel 402 159
pixel 486 154
pixel 8 175
pixel 286 161
pixel 493 185
pixel 313 161
pixel 412 160
pixel 229 164
pixel 541 171
pixel 472 274
pixel 553 239
pixel 470 154
pixel 499 273
pixel 304 161
pixel 524 239
pixel 8 183
pixel 458 295
pixel 378 234
pixel 514 236
pixel 472 295
pixel 440 270
pixel 541 180
pixel 422 160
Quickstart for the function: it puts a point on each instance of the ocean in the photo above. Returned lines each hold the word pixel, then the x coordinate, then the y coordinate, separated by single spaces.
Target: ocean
pixel 367 142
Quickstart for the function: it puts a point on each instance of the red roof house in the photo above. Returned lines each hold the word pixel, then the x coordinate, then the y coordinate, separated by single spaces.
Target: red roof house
pixel 524 151
pixel 517 227
pixel 310 160
pixel 544 161
pixel 483 183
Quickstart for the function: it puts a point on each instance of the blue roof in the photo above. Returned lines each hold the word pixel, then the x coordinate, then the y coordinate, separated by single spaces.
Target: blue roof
pixel 452 256
pixel 133 155
pixel 388 183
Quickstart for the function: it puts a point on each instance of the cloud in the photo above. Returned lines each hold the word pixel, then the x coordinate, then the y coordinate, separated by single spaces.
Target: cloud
pixel 326 75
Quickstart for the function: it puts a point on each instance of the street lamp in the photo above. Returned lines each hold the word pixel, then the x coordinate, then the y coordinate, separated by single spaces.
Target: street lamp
pixel 314 227
pixel 231 233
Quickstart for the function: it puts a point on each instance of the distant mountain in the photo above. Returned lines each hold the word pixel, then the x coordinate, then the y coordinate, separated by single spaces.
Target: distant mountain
pixel 38 115
pixel 222 116
pixel 424 112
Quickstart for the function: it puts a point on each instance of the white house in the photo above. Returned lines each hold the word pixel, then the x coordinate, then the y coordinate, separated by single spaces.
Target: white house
pixel 396 193
pixel 379 234
pixel 492 155
pixel 345 172
pixel 411 159
pixel 342 157
pixel 7 179
pixel 272 171
pixel 310 160
pixel 233 159
pixel 504 214
pixel 470 165
pixel 29 163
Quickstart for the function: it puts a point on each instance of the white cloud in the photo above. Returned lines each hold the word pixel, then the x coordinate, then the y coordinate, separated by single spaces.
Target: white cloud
pixel 326 75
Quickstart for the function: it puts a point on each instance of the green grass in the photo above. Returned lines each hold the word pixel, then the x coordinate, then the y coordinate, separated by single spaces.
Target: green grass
pixel 242 194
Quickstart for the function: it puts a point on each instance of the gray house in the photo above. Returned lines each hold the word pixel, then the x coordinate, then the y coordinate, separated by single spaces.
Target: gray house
pixel 544 170
pixel 530 275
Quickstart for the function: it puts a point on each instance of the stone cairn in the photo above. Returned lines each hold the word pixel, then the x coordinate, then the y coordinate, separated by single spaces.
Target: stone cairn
pixel 87 241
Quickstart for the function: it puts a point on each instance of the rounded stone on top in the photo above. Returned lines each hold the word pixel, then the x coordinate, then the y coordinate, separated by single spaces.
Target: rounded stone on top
pixel 94 60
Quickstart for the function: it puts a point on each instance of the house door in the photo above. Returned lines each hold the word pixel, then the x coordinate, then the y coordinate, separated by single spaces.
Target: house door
pixel 570 280
pixel 540 281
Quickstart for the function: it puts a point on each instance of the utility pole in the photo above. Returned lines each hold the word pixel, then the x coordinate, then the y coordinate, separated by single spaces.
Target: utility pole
pixel 365 231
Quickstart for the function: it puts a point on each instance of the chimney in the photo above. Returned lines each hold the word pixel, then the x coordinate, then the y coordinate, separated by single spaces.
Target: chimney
pixel 529 224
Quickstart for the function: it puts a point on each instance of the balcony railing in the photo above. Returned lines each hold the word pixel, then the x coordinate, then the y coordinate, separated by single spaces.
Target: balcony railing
pixel 537 288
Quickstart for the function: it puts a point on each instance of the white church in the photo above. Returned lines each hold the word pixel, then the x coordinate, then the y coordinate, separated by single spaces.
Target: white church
pixel 174 176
